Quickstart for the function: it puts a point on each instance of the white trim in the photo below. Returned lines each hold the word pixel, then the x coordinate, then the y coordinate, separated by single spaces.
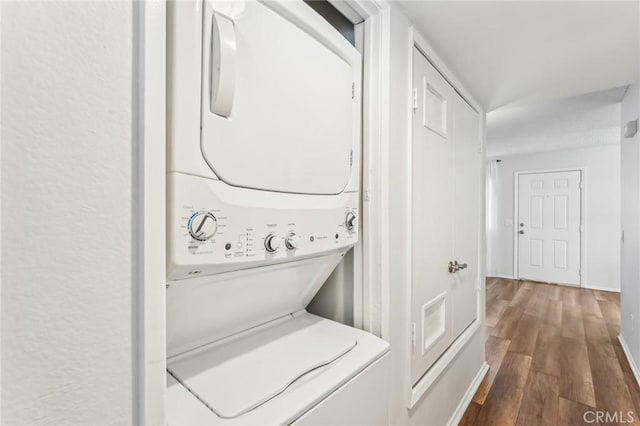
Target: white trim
pixel 435 60
pixel 369 276
pixel 595 287
pixel 0 221
pixel 507 277
pixel 358 249
pixel 149 206
pixel 583 218
pixel 423 385
pixel 632 363
pixel 468 396
pixel 347 10
pixel 366 8
pixel 408 391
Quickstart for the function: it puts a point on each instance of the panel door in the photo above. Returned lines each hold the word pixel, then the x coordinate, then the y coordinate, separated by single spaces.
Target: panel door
pixel 468 184
pixel 549 227
pixel 432 222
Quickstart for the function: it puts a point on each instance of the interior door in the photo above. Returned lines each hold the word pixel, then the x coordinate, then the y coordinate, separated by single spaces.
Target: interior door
pixel 549 227
pixel 468 184
pixel 432 222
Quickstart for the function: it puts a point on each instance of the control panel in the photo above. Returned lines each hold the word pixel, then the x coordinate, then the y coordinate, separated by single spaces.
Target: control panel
pixel 215 228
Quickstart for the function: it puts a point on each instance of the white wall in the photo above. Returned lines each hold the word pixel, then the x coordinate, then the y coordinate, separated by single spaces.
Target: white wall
pixel 335 298
pixel 602 222
pixel 439 403
pixel 67 213
pixel 630 216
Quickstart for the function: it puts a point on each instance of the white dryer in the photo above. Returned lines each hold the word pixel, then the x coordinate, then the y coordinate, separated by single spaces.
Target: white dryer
pixel 263 201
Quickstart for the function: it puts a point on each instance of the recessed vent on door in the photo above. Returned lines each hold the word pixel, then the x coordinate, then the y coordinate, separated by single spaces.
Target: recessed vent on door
pixel 435 110
pixel 433 322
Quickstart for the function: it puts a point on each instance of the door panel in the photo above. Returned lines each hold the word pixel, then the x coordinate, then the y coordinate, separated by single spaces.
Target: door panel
pixel 466 207
pixel 432 222
pixel 549 227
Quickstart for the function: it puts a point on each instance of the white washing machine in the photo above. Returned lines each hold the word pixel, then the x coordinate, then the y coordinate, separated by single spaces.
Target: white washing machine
pixel 263 179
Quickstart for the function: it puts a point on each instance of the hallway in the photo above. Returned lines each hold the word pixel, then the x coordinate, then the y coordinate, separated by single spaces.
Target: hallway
pixel 554 355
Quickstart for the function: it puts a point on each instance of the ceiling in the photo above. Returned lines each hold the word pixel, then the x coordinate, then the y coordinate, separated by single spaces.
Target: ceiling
pixel 515 52
pixel 576 122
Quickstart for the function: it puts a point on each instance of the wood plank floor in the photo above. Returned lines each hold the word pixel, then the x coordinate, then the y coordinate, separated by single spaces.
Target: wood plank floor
pixel 553 354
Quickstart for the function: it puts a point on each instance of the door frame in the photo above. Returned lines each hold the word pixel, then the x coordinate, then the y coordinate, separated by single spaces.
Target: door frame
pixel 371 21
pixel 583 218
pixel 421 387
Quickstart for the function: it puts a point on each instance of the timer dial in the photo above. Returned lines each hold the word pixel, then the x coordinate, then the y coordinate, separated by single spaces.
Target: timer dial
pixel 202 225
pixel 272 243
pixel 293 241
pixel 350 221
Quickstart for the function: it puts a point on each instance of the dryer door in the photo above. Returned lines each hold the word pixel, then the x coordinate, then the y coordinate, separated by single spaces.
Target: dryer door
pixel 280 98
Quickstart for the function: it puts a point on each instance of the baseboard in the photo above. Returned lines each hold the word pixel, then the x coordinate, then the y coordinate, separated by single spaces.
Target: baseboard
pixel 590 287
pixel 434 372
pixel 468 396
pixel 632 362
pixel 595 287
pixel 507 277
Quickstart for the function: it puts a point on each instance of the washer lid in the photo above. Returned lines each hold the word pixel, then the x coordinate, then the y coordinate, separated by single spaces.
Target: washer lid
pixel 280 99
pixel 237 377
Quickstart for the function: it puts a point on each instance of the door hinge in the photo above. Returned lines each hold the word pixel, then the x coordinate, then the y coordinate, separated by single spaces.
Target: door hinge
pixel 366 196
pixel 353 90
pixel 414 102
pixel 351 158
pixel 413 333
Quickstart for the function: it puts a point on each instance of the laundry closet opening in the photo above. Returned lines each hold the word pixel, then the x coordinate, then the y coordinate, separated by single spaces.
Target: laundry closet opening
pixel 335 300
pixel 335 18
pixel 252 239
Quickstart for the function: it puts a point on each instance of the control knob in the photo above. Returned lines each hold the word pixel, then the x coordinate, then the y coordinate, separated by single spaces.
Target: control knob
pixel 272 243
pixel 202 225
pixel 293 241
pixel 350 221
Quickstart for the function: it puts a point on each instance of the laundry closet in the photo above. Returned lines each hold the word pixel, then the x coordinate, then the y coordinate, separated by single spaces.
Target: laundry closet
pixel 263 202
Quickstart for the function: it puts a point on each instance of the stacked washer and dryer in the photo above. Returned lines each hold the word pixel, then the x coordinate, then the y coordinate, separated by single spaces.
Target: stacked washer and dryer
pixel 263 200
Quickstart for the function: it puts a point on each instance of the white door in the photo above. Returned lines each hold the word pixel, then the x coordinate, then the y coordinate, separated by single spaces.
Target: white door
pixel 432 222
pixel 468 186
pixel 549 227
pixel 446 205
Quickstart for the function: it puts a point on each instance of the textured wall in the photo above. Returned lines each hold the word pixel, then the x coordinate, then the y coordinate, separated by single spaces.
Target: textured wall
pixel 630 216
pixel 66 212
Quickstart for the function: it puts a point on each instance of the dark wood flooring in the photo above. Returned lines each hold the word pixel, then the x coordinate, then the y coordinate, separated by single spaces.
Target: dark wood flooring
pixel 554 355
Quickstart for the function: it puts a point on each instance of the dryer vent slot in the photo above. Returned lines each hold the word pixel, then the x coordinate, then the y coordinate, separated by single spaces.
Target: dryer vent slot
pixel 433 322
